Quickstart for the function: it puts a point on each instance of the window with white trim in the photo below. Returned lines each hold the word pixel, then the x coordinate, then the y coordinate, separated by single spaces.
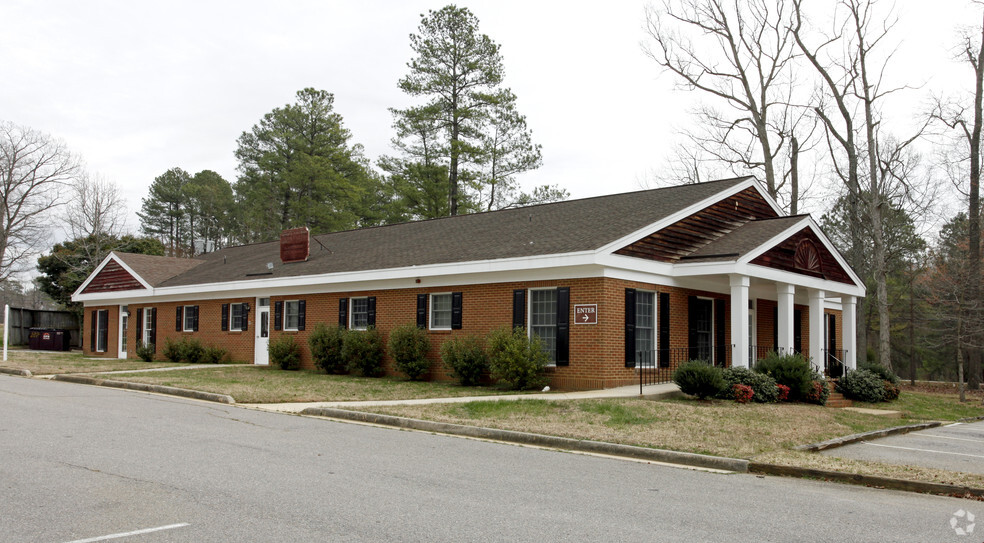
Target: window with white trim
pixel 440 311
pixel 292 315
pixel 148 326
pixel 190 314
pixel 543 319
pixel 359 313
pixel 237 317
pixel 645 327
pixel 102 330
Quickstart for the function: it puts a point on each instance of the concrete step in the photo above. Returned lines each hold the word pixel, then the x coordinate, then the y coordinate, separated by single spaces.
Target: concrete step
pixel 837 400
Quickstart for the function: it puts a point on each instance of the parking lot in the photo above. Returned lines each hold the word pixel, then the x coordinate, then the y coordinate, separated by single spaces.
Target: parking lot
pixel 954 447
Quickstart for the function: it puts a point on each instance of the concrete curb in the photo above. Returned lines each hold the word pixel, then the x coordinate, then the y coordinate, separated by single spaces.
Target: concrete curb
pixel 629 451
pixel 195 394
pixel 11 371
pixel 867 480
pixel 854 438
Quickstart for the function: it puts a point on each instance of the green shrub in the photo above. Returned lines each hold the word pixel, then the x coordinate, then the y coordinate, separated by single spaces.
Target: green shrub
pixel 285 353
pixel 174 350
pixel 408 345
pixel 863 386
pixel 326 348
pixel 515 359
pixel 145 352
pixel 763 386
pixel 363 350
pixel 820 390
pixel 466 359
pixel 791 370
pixel 697 378
pixel 214 355
pixel 193 351
pixel 881 371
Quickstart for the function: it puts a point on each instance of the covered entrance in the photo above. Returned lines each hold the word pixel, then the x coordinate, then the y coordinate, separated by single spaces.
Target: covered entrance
pixel 261 354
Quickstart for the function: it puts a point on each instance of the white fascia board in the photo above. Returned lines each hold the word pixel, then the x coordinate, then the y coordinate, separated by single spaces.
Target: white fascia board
pixel 572 266
pixel 807 222
pixel 688 211
pixel 77 296
pixel 769 274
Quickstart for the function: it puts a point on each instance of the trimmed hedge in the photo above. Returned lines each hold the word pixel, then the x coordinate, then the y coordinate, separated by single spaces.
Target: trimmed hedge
pixel 363 350
pixel 515 359
pixel 863 386
pixel 465 358
pixel 791 370
pixel 698 378
pixel 409 345
pixel 285 353
pixel 326 348
pixel 763 387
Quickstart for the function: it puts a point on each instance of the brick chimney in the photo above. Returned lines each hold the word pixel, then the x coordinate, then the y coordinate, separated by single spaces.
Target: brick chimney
pixel 295 245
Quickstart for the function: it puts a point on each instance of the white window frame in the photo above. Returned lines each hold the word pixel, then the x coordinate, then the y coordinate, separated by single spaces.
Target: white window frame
pixel 529 320
pixel 146 326
pixel 713 347
pixel 430 307
pixel 297 315
pixel 351 317
pixel 655 327
pixel 99 313
pixel 123 325
pixel 232 318
pixel 185 325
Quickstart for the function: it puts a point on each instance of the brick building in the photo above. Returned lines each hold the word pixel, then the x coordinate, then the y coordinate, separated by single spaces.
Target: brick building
pixel 611 283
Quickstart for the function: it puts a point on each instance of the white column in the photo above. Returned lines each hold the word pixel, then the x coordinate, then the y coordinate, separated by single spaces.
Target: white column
pixel 739 320
pixel 784 297
pixel 816 328
pixel 849 331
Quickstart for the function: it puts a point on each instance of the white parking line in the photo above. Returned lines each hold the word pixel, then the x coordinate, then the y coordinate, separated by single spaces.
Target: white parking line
pixel 921 450
pixel 128 534
pixel 948 437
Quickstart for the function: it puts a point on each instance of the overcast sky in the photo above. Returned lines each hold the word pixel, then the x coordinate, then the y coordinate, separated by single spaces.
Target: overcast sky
pixel 136 88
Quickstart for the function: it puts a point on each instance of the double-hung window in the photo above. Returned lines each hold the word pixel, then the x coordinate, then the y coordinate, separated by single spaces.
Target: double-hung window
pixel 645 328
pixel 292 314
pixel 440 317
pixel 360 314
pixel 190 318
pixel 543 319
pixel 148 326
pixel 237 316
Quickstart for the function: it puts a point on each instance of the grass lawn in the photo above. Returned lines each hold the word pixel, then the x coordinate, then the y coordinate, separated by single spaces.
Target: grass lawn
pixel 258 384
pixel 52 362
pixel 760 432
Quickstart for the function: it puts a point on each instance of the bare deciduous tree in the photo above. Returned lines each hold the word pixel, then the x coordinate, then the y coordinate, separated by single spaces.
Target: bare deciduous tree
pixel 34 169
pixel 739 54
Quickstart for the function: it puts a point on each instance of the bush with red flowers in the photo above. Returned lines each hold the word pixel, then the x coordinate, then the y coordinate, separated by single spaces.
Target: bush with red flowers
pixel 742 393
pixel 783 392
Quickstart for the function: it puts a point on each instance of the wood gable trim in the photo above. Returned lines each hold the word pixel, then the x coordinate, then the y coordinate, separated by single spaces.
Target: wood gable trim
pixel 804 253
pixel 687 235
pixel 112 278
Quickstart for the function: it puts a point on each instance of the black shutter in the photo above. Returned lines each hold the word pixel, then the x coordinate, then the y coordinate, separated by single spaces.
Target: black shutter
pixel 177 324
pixel 832 332
pixel 225 317
pixel 719 318
pixel 140 325
pixel 371 311
pixel 798 330
pixel 92 332
pixel 630 322
pixel 664 329
pixel 301 310
pixel 692 328
pixel 153 327
pixel 245 314
pixel 775 328
pixel 519 308
pixel 563 326
pixel 343 313
pixel 278 315
pixel 194 318
pixel 421 311
pixel 456 311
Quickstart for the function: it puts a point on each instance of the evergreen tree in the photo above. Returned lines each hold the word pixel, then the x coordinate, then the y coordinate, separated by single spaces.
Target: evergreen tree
pixel 163 213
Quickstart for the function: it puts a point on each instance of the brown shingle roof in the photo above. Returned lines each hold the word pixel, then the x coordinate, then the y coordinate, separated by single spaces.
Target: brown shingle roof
pixel 557 228
pixel 157 269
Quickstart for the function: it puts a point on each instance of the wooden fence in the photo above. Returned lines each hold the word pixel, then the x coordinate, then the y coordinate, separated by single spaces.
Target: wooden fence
pixel 22 320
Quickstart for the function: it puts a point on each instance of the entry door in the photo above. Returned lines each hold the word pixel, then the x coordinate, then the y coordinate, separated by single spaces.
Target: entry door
pixel 261 355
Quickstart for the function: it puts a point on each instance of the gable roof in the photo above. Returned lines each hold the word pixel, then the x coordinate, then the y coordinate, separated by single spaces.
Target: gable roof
pixel 741 241
pixel 566 227
pixel 156 269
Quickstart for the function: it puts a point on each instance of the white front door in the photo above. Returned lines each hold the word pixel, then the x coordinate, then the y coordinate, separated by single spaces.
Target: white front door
pixel 261 355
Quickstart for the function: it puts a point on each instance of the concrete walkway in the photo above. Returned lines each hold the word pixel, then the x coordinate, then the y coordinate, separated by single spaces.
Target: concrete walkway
pixel 169 368
pixel 650 392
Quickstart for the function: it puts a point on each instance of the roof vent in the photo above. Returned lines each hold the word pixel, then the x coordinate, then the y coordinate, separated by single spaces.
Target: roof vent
pixel 294 245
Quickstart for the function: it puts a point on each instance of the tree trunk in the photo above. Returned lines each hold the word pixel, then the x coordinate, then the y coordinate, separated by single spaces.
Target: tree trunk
pixel 974 215
pixel 794 177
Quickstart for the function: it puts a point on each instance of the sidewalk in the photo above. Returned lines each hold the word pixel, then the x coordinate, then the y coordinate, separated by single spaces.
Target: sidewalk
pixel 651 392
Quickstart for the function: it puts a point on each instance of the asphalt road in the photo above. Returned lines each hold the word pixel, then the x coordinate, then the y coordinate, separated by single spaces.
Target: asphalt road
pixel 80 462
pixel 956 447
